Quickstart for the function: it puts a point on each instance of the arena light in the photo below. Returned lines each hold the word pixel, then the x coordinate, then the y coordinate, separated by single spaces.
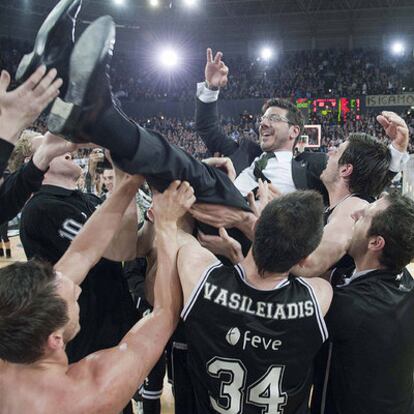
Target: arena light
pixel 266 53
pixel 119 2
pixel 154 3
pixel 168 58
pixel 190 3
pixel 398 48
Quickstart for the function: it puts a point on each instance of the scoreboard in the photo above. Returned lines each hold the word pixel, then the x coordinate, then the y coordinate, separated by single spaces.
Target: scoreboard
pixel 340 108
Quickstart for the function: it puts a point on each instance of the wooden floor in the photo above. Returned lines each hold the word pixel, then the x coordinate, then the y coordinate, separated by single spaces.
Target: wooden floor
pixel 17 252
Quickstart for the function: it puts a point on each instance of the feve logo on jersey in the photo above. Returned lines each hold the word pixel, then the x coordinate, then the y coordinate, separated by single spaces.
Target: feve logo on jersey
pixel 251 340
pixel 233 336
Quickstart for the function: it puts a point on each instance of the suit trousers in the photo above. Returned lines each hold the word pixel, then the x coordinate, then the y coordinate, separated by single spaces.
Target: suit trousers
pixel 161 162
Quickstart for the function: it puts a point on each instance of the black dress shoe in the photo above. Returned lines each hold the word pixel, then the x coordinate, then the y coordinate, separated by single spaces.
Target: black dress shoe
pixel 89 92
pixel 54 43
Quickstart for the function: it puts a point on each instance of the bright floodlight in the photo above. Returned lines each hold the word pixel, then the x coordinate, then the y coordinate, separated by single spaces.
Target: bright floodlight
pixel 190 3
pixel 154 3
pixel 397 48
pixel 266 53
pixel 119 2
pixel 168 58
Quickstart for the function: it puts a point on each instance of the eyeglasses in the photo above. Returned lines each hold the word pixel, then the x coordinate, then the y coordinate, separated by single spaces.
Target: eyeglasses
pixel 275 118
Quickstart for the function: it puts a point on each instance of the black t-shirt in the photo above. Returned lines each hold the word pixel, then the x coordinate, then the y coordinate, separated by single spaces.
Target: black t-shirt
pixel 371 326
pixel 6 148
pixel 250 350
pixel 50 221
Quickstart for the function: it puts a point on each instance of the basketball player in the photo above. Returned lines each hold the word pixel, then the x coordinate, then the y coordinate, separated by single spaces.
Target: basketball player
pixel 39 315
pixel 356 173
pixel 371 318
pixel 253 329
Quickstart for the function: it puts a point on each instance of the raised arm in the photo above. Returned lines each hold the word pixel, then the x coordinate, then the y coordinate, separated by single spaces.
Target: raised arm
pixel 207 117
pixel 90 244
pixel 397 131
pixel 123 244
pixel 20 107
pixel 337 235
pixel 115 374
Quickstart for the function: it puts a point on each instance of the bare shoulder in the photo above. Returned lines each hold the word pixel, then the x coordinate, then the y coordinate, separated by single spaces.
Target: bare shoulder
pixel 194 256
pixel 192 261
pixel 323 291
pixel 348 206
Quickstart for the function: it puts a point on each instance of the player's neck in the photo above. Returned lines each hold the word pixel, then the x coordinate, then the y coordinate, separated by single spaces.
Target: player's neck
pixel 56 361
pixel 268 281
pixel 367 262
pixel 64 182
pixel 338 193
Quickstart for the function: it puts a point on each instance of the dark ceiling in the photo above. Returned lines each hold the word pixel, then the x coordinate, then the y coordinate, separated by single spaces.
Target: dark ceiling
pixel 229 21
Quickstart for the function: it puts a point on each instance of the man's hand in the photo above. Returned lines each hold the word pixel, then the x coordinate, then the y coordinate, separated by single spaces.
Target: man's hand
pixel 222 245
pixel 265 194
pixel 22 106
pixel 223 163
pixel 216 71
pixel 51 146
pixel 173 203
pixel 217 215
pixel 396 129
pixel 96 155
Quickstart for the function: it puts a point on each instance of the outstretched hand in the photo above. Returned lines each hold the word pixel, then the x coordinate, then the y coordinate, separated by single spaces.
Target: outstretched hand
pixel 20 107
pixel 222 245
pixel 396 129
pixel 216 72
pixel 173 203
pixel 222 163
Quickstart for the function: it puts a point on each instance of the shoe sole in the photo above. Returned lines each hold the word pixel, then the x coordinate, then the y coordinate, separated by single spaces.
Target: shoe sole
pixel 65 114
pixel 30 61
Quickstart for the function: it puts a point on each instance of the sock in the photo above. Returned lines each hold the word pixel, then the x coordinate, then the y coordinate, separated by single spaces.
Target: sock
pixel 8 253
pixel 1 252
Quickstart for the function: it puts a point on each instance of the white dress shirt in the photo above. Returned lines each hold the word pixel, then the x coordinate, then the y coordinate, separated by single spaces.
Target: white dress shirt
pixel 278 170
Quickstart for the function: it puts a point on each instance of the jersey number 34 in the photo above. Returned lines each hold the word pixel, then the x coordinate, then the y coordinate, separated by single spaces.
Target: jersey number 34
pixel 266 392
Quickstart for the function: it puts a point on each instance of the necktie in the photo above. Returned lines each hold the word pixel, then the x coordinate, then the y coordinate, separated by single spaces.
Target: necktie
pixel 261 164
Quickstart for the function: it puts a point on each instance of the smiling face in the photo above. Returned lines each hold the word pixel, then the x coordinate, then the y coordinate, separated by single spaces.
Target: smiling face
pixel 363 221
pixel 276 135
pixel 108 176
pixel 330 174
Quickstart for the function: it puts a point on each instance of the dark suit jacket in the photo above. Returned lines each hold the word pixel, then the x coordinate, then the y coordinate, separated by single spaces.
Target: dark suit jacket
pixel 306 167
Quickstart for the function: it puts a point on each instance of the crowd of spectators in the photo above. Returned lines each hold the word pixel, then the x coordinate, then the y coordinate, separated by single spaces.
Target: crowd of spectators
pixel 304 74
pixel 182 132
pixel 296 75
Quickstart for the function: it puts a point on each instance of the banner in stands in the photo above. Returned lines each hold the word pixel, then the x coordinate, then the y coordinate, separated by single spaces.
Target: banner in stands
pixel 405 99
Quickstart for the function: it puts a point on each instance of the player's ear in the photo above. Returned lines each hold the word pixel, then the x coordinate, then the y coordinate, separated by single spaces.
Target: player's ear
pixel 295 131
pixel 55 340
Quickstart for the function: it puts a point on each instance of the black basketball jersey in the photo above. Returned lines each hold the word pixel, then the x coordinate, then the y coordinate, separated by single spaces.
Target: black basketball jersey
pixel 372 334
pixel 250 350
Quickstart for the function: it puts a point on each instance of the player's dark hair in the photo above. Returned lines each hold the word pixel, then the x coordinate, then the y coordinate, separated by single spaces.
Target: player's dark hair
pixel 294 115
pixel 396 225
pixel 288 230
pixel 30 310
pixel 370 161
